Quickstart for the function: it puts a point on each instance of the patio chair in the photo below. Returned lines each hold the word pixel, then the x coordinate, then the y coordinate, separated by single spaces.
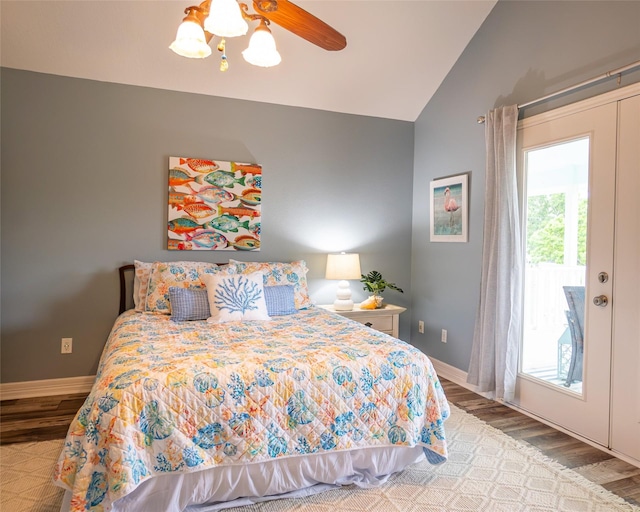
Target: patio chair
pixel 575 318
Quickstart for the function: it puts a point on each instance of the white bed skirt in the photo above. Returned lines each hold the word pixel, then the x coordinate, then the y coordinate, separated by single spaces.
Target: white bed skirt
pixel 231 486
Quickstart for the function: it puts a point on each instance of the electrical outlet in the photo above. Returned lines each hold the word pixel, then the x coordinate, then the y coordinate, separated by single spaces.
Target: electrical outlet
pixel 443 338
pixel 67 346
pixel 420 326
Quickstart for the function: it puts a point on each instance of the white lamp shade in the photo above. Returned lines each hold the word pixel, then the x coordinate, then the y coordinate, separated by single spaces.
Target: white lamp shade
pixel 225 19
pixel 190 41
pixel 262 49
pixel 343 266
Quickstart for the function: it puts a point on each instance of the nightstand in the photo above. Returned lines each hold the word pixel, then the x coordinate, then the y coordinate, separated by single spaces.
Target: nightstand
pixel 385 319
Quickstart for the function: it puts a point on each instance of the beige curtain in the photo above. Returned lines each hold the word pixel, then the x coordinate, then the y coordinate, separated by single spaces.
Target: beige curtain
pixel 496 338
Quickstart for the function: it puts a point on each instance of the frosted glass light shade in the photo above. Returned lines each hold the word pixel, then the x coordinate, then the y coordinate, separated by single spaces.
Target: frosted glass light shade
pixel 343 266
pixel 225 19
pixel 190 41
pixel 262 48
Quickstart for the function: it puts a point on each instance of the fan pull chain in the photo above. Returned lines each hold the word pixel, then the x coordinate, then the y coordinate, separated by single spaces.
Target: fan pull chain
pixel 224 64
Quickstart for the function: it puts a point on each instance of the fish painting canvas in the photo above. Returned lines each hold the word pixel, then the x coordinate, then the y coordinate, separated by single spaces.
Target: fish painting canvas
pixel 214 205
pixel 449 209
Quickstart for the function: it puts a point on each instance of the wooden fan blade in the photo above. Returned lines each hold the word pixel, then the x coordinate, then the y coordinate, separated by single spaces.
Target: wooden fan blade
pixel 295 19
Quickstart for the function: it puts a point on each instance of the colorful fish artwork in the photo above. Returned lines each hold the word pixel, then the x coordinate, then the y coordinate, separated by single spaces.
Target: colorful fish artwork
pixel 226 223
pixel 246 243
pixel 254 181
pixel 208 238
pixel 221 179
pixel 251 197
pixel 213 194
pixel 199 211
pixel 179 245
pixel 213 205
pixel 183 225
pixel 246 168
pixel 239 211
pixel 199 165
pixel 179 199
pixel 178 177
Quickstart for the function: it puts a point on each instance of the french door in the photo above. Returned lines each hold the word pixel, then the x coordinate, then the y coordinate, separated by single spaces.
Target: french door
pixel 567 169
pixel 625 378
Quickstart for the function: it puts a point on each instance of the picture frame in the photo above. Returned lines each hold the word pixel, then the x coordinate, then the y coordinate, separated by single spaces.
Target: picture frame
pixel 449 209
pixel 213 205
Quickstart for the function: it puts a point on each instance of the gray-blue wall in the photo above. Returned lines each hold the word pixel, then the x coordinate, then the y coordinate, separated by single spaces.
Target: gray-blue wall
pixel 523 51
pixel 84 190
pixel 84 173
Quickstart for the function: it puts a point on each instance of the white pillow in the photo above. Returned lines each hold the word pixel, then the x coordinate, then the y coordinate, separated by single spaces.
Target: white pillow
pixel 236 298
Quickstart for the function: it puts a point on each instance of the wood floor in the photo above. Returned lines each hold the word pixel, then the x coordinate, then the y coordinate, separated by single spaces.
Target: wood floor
pixel 595 465
pixel 39 419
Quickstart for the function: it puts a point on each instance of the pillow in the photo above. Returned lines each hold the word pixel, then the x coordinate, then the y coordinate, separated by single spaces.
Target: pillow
pixel 140 283
pixel 277 273
pixel 280 300
pixel 234 298
pixel 188 304
pixel 181 274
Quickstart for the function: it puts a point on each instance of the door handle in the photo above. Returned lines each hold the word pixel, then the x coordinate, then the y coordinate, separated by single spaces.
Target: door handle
pixel 601 300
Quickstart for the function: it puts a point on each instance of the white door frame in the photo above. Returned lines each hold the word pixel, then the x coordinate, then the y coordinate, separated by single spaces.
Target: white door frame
pixel 586 414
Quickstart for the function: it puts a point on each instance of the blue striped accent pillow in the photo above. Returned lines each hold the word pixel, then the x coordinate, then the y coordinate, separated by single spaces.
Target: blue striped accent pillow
pixel 188 304
pixel 280 300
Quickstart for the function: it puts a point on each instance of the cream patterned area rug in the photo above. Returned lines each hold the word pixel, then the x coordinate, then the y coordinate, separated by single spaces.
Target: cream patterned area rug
pixel 486 471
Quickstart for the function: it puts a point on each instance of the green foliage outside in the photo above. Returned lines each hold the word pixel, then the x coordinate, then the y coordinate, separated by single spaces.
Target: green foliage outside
pixel 582 232
pixel 545 229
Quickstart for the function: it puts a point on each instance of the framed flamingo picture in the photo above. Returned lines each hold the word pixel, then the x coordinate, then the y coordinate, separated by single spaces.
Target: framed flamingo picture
pixel 449 209
pixel 214 205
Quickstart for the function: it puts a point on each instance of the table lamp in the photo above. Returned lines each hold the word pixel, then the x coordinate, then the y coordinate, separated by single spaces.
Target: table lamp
pixel 343 266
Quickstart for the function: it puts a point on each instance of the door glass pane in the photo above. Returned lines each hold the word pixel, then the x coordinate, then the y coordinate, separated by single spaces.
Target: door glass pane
pixel 557 179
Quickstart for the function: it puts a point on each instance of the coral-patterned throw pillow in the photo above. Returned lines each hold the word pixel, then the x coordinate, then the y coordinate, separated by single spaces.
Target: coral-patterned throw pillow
pixel 280 273
pixel 236 298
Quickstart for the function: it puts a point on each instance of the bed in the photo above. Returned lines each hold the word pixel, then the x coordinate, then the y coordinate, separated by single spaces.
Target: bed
pixel 196 415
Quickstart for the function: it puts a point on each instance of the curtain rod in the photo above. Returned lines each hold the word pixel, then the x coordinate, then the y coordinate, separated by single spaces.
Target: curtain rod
pixel 603 76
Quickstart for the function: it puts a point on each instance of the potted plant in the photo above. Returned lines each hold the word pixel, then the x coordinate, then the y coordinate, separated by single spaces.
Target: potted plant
pixel 376 285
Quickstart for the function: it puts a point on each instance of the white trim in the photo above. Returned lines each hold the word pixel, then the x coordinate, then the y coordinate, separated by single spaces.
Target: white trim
pixel 49 387
pixel 579 106
pixel 459 377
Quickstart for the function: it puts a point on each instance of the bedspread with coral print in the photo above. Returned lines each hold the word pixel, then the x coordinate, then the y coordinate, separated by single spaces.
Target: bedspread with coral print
pixel 190 396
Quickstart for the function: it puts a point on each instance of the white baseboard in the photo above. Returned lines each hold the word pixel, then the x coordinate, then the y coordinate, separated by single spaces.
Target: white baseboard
pixel 49 387
pixel 457 376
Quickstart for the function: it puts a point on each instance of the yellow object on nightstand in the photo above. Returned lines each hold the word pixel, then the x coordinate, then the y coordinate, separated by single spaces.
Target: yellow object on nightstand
pixel 385 319
pixel 372 302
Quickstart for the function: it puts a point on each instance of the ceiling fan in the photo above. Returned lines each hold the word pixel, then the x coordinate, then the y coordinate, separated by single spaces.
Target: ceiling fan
pixel 228 18
pixel 295 19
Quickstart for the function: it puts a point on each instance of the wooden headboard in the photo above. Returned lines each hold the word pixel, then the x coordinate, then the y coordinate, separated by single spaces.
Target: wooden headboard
pixel 126 283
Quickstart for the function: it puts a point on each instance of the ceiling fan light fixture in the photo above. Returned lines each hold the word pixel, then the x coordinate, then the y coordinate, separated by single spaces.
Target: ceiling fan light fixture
pixel 190 39
pixel 262 48
pixel 225 19
pixel 228 18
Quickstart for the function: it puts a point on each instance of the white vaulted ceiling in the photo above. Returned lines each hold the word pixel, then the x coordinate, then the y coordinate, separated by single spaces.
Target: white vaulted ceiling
pixel 397 54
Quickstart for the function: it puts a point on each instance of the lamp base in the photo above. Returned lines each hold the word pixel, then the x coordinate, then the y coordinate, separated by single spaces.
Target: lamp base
pixel 343 305
pixel 343 300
